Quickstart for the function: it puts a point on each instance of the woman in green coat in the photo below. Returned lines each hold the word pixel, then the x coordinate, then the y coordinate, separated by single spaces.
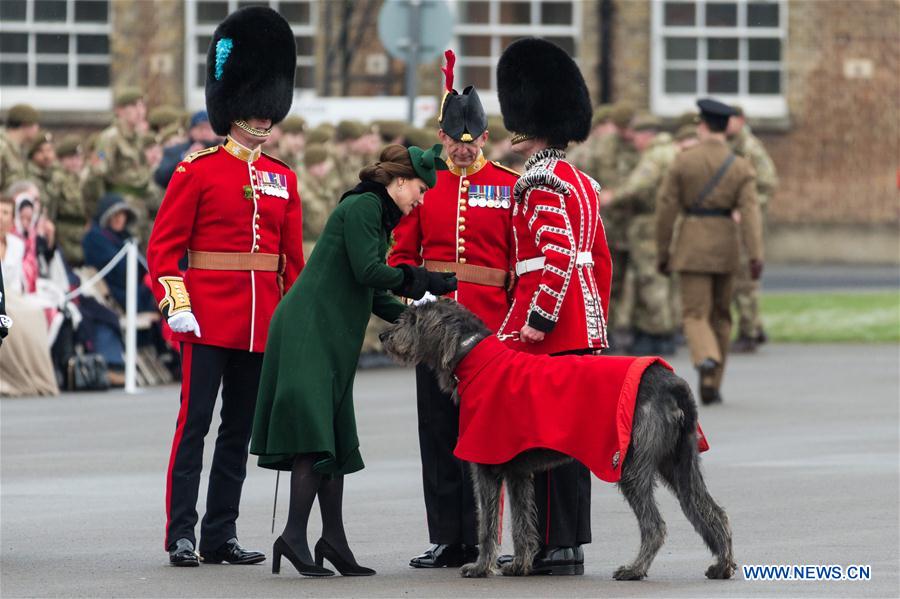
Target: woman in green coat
pixel 304 413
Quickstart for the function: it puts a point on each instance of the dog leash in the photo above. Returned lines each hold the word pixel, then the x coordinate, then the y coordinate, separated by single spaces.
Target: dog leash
pixel 514 336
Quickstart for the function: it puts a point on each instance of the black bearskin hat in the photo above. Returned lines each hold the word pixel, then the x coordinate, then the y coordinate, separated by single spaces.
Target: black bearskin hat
pixel 462 116
pixel 250 67
pixel 542 93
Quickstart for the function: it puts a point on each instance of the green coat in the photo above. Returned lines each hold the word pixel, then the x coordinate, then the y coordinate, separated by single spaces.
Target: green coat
pixel 305 402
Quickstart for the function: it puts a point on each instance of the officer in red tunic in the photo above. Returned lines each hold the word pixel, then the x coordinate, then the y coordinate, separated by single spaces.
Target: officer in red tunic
pixel 235 212
pixel 562 260
pixel 463 226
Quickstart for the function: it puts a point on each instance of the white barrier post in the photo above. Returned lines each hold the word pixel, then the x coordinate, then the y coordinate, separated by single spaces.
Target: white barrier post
pixel 131 318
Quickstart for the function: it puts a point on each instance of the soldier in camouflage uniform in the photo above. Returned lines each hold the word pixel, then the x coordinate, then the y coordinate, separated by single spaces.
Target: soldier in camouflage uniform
pixel 347 160
pixel 646 292
pixel 320 190
pixel 293 141
pixel 746 290
pixel 119 165
pixel 21 129
pixel 60 196
pixel 584 155
pixel 614 159
pixel 70 215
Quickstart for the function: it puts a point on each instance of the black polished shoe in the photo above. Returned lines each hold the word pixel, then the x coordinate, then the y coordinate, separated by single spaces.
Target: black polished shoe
pixel 345 566
pixel 182 554
pixel 710 395
pixel 444 556
pixel 231 551
pixel 707 367
pixel 282 548
pixel 559 561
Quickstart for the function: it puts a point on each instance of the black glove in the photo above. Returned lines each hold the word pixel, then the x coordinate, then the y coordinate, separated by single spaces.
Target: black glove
pixel 756 269
pixel 415 282
pixel 441 283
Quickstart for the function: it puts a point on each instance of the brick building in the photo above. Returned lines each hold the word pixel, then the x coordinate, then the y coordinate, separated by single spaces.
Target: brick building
pixel 819 79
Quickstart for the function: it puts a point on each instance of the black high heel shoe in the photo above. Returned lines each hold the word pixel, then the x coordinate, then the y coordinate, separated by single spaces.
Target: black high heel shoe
pixel 325 551
pixel 282 548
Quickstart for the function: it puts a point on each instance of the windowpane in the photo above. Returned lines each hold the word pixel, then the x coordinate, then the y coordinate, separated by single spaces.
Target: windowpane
pixel 515 13
pixel 474 12
pixel 13 73
pixel 201 75
pixel 680 14
pixel 296 13
pixel 306 45
pixel 762 15
pixel 306 77
pixel 93 75
pixel 50 10
pixel 722 48
pixel 722 82
pixel 556 13
pixel 506 40
pixel 93 44
pixel 475 45
pixel 92 11
pixel 681 81
pixel 721 15
pixel 566 43
pixel 12 10
pixel 53 75
pixel 12 43
pixel 765 82
pixel 480 77
pixel 211 12
pixel 52 43
pixel 681 48
pixel 765 49
pixel 203 43
pixel 246 3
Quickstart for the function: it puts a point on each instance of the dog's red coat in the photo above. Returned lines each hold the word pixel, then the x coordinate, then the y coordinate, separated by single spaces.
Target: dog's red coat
pixel 581 406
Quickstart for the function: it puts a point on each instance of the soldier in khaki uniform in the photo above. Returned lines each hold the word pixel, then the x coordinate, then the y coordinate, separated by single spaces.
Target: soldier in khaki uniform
pixel 21 129
pixel 646 291
pixel 704 186
pixel 293 141
pixel 347 161
pixel 320 190
pixel 614 158
pixel 120 166
pixel 70 215
pixel 584 155
pixel 746 290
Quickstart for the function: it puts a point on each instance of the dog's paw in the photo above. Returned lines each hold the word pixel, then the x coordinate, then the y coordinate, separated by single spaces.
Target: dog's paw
pixel 474 570
pixel 517 567
pixel 629 573
pixel 721 570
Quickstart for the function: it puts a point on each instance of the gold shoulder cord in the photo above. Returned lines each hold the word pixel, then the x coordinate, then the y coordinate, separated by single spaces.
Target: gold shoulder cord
pixel 176 299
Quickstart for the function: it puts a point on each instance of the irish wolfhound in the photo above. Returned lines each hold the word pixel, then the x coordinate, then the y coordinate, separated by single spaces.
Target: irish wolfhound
pixel 663 444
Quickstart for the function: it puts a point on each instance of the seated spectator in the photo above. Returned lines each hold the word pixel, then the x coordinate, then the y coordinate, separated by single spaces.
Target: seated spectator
pixel 25 364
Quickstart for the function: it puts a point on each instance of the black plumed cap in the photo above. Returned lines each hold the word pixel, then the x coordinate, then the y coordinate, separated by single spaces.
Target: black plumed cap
pixel 250 68
pixel 715 113
pixel 542 92
pixel 462 115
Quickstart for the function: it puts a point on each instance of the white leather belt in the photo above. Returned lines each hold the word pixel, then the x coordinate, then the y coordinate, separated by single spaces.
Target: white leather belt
pixel 533 264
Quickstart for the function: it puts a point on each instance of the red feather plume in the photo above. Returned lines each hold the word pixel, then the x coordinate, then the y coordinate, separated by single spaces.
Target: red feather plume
pixel 448 70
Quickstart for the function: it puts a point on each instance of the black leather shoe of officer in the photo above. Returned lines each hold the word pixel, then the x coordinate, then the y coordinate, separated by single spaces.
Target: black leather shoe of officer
pixel 707 367
pixel 445 556
pixel 232 552
pixel 710 395
pixel 555 561
pixel 182 554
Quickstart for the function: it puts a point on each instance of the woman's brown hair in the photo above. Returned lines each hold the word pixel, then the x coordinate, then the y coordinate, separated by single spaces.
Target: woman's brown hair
pixel 394 162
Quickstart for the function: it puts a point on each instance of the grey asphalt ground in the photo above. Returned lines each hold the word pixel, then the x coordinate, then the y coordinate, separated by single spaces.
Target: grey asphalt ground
pixel 804 458
pixel 830 277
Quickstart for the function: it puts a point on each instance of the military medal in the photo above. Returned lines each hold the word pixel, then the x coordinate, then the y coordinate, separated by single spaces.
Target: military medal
pixel 504 197
pixel 473 195
pixel 482 200
pixel 273 184
pixel 490 192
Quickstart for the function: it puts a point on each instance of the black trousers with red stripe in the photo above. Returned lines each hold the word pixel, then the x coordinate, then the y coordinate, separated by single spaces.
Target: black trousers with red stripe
pixel 563 498
pixel 204 369
pixel 449 497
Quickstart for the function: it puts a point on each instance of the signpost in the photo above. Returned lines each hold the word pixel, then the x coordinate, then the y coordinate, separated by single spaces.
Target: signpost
pixel 416 32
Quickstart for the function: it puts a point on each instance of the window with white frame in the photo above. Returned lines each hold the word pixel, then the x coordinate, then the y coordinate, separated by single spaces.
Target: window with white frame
pixel 731 50
pixel 484 28
pixel 202 17
pixel 54 54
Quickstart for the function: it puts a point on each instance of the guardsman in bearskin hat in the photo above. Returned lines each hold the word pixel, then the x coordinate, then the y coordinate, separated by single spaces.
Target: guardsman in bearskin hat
pixel 463 226
pixel 562 261
pixel 236 213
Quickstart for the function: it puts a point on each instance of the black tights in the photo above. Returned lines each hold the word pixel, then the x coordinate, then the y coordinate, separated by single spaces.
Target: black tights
pixel 306 484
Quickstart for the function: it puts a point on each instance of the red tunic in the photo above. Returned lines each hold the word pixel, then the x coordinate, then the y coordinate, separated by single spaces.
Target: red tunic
pixel 465 218
pixel 557 217
pixel 582 406
pixel 207 208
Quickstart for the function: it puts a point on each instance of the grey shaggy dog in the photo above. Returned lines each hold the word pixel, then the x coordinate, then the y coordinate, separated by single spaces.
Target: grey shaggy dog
pixel 663 446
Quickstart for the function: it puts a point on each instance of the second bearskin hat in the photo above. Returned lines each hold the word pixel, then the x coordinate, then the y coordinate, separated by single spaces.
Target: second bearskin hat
pixel 250 68
pixel 542 93
pixel 462 116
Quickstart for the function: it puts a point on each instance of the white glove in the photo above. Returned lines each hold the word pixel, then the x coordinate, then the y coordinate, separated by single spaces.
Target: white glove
pixel 184 322
pixel 428 297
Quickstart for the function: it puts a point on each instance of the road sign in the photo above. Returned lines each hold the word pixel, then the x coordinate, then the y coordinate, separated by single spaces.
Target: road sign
pixel 415 31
